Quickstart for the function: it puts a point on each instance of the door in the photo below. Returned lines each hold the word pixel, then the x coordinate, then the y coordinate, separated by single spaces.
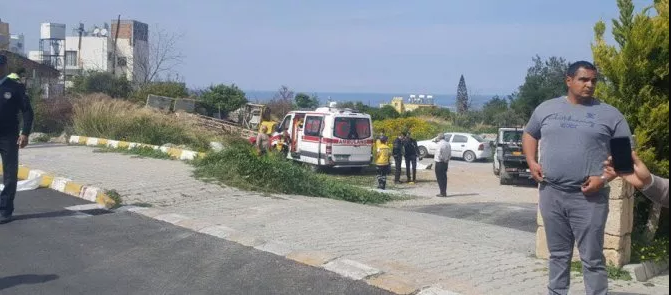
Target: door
pixel 458 145
pixel 296 130
pixel 352 141
pixel 311 139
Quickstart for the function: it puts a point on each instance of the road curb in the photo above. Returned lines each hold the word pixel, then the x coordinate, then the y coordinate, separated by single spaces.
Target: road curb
pixel 342 266
pixel 175 153
pixel 646 270
pixel 67 186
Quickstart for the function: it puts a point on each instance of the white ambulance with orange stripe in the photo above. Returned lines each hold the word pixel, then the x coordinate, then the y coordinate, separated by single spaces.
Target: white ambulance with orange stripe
pixel 328 137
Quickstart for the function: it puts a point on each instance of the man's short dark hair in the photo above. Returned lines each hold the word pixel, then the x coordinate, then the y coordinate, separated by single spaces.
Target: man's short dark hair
pixel 574 67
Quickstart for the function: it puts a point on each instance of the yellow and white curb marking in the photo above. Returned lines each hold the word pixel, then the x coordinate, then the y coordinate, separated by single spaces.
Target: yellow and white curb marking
pixel 339 265
pixel 67 186
pixel 175 153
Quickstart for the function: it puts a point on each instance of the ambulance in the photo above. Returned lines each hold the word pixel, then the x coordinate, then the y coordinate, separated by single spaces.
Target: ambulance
pixel 327 137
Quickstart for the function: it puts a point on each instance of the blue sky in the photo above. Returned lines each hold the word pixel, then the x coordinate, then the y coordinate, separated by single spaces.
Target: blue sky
pixel 387 46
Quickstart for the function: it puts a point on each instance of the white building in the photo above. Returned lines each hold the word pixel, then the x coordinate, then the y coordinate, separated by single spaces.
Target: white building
pixel 95 54
pixel 35 55
pixel 17 44
pixel 132 49
pixel 96 51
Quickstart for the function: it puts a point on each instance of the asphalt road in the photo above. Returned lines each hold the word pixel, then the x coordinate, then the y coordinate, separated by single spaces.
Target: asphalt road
pixel 52 250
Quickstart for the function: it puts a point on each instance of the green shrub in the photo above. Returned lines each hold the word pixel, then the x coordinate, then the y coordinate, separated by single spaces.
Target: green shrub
pixel 52 116
pixel 657 250
pixel 239 166
pixel 100 116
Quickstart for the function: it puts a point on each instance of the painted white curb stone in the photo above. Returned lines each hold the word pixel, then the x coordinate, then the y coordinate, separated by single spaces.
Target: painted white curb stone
pixel 351 269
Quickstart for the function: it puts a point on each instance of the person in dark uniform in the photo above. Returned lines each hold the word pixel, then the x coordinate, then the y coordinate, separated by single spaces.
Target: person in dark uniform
pixel 397 153
pixel 411 150
pixel 13 100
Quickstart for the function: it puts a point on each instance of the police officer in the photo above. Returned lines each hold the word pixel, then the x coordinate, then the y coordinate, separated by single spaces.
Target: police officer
pixel 397 153
pixel 13 100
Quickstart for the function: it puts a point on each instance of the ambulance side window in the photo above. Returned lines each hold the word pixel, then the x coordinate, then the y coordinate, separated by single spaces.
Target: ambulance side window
pixel 313 126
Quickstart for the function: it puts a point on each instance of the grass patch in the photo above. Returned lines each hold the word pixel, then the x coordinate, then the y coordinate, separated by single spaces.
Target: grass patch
pixel 363 178
pixel 43 138
pixel 614 273
pixel 142 152
pixel 239 166
pixel 116 197
pixel 103 117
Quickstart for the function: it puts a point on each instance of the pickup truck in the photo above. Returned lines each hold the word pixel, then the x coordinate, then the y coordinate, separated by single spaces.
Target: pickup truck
pixel 509 161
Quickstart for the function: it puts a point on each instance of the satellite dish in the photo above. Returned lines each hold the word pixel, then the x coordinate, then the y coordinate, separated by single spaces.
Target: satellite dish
pixel 103 32
pixel 96 31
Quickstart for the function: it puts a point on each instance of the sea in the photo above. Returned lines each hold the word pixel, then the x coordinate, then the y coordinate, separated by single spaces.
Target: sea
pixel 371 99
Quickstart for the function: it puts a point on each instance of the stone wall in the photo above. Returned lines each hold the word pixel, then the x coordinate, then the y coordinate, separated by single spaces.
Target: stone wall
pixel 617 240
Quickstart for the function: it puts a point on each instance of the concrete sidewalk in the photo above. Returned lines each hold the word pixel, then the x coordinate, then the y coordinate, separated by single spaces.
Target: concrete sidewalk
pixel 412 249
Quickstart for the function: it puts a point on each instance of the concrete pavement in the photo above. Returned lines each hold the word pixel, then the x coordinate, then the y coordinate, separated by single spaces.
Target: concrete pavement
pixel 49 249
pixel 412 249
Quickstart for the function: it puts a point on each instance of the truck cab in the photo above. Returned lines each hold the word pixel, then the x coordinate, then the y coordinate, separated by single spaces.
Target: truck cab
pixel 509 160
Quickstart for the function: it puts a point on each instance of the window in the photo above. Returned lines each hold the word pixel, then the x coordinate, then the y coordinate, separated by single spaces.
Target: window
pixel 460 139
pixel 448 136
pixel 285 124
pixel 122 61
pixel 313 126
pixel 512 136
pixel 478 138
pixel 71 58
pixel 352 128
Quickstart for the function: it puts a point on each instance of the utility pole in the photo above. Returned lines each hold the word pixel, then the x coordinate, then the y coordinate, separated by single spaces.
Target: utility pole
pixel 116 37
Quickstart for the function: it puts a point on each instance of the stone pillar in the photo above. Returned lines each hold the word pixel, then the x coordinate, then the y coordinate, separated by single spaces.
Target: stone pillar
pixel 617 240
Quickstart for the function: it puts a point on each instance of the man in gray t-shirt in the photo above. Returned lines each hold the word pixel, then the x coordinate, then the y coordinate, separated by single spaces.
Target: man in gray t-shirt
pixel 574 133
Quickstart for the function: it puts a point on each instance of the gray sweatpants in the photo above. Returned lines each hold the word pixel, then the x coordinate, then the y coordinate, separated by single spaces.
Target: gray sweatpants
pixel 570 218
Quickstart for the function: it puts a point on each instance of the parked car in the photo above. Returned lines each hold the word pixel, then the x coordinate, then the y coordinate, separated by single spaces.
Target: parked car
pixel 467 146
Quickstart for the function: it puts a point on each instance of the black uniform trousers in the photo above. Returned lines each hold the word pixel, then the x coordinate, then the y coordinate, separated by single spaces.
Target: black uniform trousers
pixel 9 150
pixel 411 168
pixel 397 165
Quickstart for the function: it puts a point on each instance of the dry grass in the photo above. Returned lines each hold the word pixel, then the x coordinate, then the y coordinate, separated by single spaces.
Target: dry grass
pixel 98 115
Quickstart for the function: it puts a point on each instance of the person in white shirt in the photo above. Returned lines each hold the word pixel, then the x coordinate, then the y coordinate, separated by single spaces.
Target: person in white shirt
pixel 442 160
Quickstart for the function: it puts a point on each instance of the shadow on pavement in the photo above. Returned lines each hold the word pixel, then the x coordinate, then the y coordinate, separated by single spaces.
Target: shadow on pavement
pixel 62 213
pixel 13 281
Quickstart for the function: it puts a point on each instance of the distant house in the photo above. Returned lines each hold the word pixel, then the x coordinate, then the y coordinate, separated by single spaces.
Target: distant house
pixel 37 75
pixel 401 107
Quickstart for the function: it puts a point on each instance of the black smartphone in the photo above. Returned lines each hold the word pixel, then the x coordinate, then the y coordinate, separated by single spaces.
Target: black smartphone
pixel 620 150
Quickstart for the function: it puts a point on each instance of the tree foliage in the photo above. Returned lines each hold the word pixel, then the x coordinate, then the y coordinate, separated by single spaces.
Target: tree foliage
pixel 305 101
pixel 498 112
pixel 282 102
pixel 463 103
pixel 636 74
pixel 102 82
pixel 223 98
pixel 545 80
pixel 636 81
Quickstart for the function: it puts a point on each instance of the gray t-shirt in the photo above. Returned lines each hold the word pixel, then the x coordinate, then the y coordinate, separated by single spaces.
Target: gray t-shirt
pixel 575 139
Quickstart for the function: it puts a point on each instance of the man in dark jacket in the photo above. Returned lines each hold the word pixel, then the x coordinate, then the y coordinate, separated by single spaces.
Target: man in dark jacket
pixel 13 100
pixel 397 152
pixel 411 150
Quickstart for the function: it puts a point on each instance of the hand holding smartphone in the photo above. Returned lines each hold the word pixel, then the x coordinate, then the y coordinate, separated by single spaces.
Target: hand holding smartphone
pixel 620 150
